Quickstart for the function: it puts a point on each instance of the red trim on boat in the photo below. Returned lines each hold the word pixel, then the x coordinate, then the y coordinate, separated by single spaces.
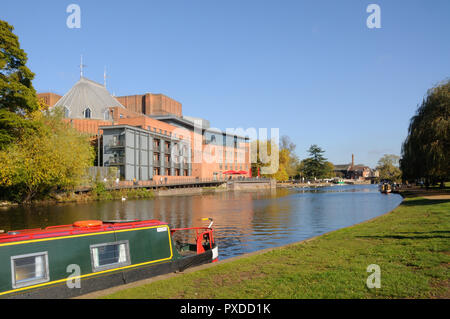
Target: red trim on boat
pixel 68 230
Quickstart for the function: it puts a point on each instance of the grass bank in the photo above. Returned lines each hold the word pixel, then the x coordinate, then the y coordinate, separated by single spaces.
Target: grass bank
pixel 99 192
pixel 411 245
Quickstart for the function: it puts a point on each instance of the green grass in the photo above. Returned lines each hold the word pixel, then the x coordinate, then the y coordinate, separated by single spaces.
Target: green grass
pixel 99 192
pixel 411 245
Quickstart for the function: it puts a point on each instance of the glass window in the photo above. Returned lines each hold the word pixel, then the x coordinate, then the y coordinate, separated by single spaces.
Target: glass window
pixel 87 113
pixel 111 255
pixel 29 269
pixel 66 112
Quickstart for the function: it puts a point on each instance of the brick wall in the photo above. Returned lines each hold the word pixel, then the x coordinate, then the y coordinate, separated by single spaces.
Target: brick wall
pixel 49 99
pixel 151 104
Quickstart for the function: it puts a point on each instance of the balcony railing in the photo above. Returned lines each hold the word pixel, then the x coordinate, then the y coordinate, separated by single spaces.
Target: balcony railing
pixel 116 144
pixel 116 161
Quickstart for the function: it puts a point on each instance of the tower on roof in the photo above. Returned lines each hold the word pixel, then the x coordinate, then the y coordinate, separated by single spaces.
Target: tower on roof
pixel 81 66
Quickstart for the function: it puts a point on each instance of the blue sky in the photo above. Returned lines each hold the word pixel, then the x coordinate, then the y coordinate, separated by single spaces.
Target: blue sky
pixel 313 69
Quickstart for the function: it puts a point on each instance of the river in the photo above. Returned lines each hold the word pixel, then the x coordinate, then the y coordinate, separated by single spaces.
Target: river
pixel 244 221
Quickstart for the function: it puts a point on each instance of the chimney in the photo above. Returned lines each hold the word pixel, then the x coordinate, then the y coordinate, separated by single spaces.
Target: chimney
pixel 353 161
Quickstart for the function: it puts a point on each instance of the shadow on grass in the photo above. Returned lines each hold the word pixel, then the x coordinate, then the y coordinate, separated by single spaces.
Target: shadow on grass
pixel 405 237
pixel 424 202
pixel 425 232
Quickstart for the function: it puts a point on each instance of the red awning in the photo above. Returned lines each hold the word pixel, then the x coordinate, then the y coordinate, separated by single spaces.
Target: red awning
pixel 235 172
pixel 229 172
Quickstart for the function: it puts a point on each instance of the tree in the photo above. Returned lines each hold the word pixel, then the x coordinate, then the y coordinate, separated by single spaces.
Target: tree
pixel 287 160
pixel 315 165
pixel 328 170
pixel 388 167
pixel 291 160
pixel 16 91
pixel 54 158
pixel 426 150
pixel 14 126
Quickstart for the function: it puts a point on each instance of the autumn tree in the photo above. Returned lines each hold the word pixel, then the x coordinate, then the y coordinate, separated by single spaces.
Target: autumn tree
pixel 388 168
pixel 290 159
pixel 54 158
pixel 265 157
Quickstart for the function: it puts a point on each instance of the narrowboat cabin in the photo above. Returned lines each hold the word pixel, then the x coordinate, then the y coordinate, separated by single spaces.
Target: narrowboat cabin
pixel 71 260
pixel 385 188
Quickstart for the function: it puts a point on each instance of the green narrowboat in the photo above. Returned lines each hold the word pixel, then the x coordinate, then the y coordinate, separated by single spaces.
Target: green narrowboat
pixel 385 188
pixel 71 260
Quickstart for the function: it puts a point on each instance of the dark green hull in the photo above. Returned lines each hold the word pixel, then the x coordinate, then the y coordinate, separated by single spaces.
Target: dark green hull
pixel 150 252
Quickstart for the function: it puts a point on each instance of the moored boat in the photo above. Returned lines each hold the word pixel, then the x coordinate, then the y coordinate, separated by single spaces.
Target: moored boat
pixel 71 260
pixel 385 188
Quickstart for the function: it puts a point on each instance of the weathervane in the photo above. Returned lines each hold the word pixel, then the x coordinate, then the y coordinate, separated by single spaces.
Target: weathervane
pixel 81 66
pixel 104 78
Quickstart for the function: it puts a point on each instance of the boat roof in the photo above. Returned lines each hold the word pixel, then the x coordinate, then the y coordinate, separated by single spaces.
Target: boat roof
pixel 69 230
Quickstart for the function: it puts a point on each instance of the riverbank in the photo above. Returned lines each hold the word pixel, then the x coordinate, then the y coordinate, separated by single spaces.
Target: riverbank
pixel 410 244
pixel 100 192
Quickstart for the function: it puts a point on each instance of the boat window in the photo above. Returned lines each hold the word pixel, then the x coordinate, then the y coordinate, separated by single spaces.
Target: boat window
pixel 110 255
pixel 29 269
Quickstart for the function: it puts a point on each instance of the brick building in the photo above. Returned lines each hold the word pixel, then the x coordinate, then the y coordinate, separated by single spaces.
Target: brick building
pixel 146 136
pixel 352 171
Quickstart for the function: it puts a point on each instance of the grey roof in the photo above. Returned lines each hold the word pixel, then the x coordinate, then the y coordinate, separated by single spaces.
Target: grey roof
pixel 88 94
pixel 342 167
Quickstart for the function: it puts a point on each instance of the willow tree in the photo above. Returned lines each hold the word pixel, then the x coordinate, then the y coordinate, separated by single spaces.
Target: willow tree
pixel 426 150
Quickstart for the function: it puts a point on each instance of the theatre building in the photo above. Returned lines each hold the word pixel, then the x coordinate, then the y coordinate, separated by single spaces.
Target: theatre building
pixel 147 137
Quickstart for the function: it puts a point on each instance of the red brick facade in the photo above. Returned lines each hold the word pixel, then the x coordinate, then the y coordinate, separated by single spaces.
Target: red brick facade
pixel 48 99
pixel 151 104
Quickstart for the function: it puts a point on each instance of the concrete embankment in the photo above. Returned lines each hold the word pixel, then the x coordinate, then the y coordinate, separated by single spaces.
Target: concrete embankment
pixel 238 185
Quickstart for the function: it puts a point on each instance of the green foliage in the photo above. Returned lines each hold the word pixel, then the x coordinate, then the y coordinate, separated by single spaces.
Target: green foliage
pixel 262 156
pixel 388 168
pixel 55 157
pixel 100 192
pixel 291 160
pixel 316 165
pixel 328 170
pixel 287 159
pixel 14 126
pixel 16 90
pixel 426 150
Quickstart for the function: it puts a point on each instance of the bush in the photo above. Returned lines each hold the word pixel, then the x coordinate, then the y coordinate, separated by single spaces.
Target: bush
pixel 52 158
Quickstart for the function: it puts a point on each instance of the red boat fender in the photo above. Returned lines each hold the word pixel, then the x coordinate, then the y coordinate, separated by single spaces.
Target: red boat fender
pixel 88 223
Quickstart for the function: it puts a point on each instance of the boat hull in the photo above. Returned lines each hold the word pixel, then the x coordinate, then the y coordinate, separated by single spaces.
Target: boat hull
pixel 105 281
